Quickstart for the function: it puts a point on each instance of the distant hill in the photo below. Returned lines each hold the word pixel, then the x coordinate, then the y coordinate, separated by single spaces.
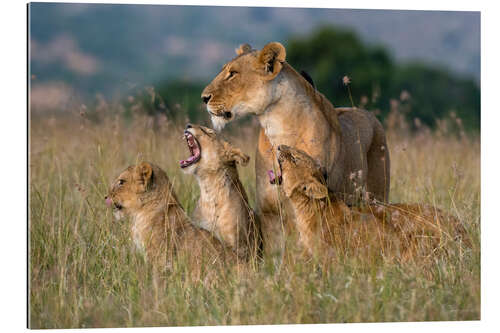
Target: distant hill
pixel 112 48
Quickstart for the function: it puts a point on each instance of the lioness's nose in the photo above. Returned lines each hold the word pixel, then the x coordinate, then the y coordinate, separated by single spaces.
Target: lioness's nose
pixel 206 98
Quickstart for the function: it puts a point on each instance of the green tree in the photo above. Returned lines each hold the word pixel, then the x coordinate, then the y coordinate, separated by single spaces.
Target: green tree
pixel 435 93
pixel 330 54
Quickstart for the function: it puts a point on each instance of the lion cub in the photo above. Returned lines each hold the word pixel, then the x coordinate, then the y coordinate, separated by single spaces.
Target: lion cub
pixel 223 207
pixel 325 224
pixel 159 224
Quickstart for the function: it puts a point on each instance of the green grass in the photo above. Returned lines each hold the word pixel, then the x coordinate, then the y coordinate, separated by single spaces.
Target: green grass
pixel 84 271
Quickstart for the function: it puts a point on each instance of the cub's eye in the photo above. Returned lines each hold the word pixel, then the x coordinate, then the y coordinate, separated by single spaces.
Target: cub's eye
pixel 231 74
pixel 121 182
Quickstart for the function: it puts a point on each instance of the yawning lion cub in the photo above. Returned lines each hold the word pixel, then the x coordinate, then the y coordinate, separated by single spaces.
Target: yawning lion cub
pixel 159 224
pixel 324 225
pixel 223 205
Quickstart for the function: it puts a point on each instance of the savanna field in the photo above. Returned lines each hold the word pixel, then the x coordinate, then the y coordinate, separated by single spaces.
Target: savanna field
pixel 85 272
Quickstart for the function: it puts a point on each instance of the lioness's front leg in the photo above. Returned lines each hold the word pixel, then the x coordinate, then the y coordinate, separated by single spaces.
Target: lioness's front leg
pixel 269 200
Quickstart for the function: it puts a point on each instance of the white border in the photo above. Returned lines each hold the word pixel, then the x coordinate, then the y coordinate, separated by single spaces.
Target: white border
pixel 13 166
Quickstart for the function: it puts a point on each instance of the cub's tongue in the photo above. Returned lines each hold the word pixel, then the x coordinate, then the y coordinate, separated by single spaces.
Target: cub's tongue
pixel 185 163
pixel 194 151
pixel 273 179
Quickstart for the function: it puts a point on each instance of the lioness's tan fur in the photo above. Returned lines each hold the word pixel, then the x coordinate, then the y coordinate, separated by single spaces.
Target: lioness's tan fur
pixel 292 112
pixel 159 224
pixel 325 223
pixel 223 207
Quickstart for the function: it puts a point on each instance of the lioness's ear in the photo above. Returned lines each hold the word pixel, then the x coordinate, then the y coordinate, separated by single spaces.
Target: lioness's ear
pixel 243 48
pixel 236 155
pixel 145 172
pixel 314 189
pixel 271 57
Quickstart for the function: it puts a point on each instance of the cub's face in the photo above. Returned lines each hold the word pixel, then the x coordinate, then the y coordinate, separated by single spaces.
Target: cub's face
pixel 301 175
pixel 126 191
pixel 208 152
pixel 245 84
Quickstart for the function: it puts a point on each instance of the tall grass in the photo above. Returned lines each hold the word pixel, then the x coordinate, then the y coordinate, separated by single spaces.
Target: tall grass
pixel 84 271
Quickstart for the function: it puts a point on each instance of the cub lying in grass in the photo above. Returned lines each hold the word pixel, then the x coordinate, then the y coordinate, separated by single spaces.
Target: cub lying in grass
pixel 325 224
pixel 223 207
pixel 159 223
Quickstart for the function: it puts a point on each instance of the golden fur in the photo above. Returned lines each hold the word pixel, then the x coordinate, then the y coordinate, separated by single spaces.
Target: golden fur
pixel 159 224
pixel 325 223
pixel 292 112
pixel 223 207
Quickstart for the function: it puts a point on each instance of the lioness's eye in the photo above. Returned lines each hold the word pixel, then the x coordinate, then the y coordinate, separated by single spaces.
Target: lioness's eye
pixel 121 182
pixel 231 74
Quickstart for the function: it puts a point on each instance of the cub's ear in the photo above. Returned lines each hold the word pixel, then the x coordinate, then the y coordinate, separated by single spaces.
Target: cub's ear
pixel 145 172
pixel 243 48
pixel 236 155
pixel 314 189
pixel 271 58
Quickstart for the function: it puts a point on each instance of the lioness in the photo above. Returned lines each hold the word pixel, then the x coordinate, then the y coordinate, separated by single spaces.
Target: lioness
pixel 223 207
pixel 323 222
pixel 292 112
pixel 159 223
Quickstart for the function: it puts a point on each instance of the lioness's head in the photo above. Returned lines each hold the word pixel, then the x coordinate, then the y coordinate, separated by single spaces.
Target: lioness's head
pixel 245 84
pixel 134 187
pixel 301 175
pixel 208 152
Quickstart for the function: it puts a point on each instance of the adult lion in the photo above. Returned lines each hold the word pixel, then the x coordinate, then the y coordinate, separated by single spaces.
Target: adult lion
pixel 291 111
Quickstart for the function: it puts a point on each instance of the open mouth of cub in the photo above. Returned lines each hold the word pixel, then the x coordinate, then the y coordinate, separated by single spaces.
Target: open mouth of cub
pixel 112 204
pixel 194 150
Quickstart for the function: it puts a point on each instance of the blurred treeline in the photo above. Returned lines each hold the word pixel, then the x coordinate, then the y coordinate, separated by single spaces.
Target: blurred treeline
pixel 427 92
